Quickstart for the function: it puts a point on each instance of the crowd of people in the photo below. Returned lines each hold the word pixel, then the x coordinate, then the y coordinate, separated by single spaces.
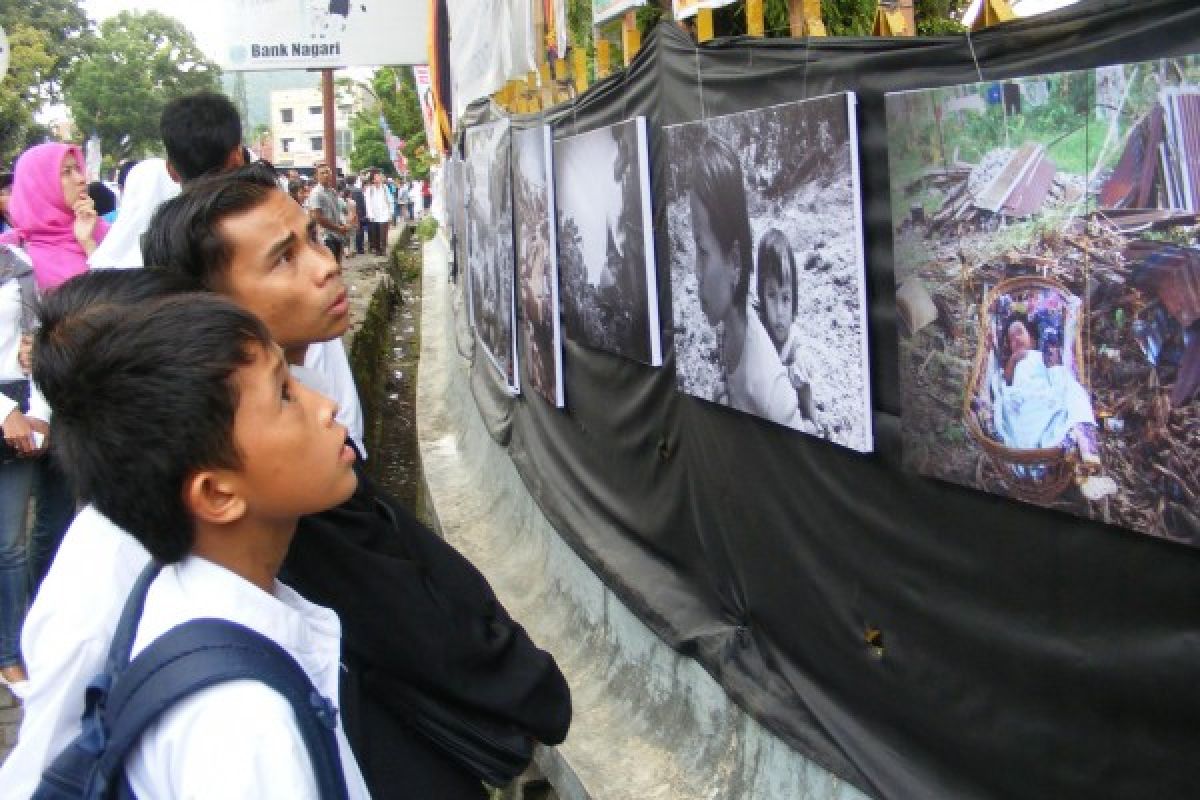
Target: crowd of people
pixel 357 212
pixel 195 411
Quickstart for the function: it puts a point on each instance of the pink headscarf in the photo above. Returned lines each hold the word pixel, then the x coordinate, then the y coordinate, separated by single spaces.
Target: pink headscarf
pixel 43 223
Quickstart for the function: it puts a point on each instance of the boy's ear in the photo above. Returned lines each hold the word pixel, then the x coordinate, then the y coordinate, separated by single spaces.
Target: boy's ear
pixel 174 173
pixel 212 496
pixel 735 258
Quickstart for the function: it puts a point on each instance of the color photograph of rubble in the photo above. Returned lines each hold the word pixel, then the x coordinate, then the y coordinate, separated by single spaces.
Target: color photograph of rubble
pixel 1048 289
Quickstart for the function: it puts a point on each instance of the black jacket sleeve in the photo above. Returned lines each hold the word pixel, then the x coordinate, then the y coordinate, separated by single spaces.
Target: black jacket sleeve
pixel 414 609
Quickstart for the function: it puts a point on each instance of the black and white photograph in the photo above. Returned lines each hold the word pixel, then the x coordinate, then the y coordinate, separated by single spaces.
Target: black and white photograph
pixel 768 283
pixel 538 323
pixel 605 241
pixel 490 245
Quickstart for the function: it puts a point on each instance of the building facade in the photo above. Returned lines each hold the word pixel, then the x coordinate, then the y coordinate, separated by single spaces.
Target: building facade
pixel 298 126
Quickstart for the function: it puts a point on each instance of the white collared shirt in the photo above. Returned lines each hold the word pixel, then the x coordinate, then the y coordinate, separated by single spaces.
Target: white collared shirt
pixel 329 359
pixel 66 637
pixel 237 739
pixel 65 640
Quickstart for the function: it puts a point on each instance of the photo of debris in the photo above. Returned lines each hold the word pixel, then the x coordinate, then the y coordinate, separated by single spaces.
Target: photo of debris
pixel 537 263
pixel 1048 289
pixel 605 241
pixel 767 269
pixel 490 245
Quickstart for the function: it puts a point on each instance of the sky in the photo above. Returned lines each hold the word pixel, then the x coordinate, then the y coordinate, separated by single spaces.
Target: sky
pixel 197 17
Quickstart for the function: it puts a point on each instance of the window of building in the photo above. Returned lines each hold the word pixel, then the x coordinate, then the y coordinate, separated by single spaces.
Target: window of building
pixel 345 142
pixel 286 115
pixel 317 144
pixel 286 145
pixel 314 110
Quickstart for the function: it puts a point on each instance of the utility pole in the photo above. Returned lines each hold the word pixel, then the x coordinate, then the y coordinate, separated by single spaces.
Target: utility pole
pixel 328 108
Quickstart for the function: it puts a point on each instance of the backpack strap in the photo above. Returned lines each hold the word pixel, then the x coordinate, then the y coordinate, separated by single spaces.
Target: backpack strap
pixel 122 701
pixel 206 652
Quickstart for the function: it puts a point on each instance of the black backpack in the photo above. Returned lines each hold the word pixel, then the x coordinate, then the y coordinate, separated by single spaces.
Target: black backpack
pixel 129 696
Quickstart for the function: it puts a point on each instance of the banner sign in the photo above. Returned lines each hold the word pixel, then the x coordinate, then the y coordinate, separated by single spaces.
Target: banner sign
pixel 3 54
pixel 424 82
pixel 683 9
pixel 308 34
pixel 604 10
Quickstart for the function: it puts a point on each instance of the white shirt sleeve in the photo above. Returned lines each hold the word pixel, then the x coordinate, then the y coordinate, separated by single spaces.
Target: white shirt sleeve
pixel 232 741
pixel 53 706
pixel 329 359
pixel 38 407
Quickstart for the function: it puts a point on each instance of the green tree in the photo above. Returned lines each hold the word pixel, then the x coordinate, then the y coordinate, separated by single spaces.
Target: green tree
pixel 64 26
pixel 135 66
pixel 370 149
pixel 395 93
pixel 29 59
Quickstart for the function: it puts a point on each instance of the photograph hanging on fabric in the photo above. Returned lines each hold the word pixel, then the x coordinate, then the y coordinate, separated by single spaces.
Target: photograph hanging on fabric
pixel 537 263
pixel 606 242
pixel 768 282
pixel 490 286
pixel 1048 289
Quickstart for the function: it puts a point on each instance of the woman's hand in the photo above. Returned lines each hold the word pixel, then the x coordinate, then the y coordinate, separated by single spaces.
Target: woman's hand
pixel 85 223
pixel 25 353
pixel 19 433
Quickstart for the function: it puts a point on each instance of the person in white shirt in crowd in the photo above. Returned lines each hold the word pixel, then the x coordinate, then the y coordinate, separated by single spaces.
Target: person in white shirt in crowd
pixel 148 185
pixel 242 450
pixel 379 213
pixel 25 417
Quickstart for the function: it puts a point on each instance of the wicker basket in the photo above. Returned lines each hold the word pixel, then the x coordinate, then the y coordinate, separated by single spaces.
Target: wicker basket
pixel 1039 474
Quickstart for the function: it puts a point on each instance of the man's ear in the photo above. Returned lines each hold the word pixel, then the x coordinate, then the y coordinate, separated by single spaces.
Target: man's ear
pixel 213 496
pixel 235 159
pixel 174 173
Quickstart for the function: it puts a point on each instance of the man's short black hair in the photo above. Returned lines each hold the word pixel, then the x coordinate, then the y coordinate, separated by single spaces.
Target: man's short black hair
pixel 6 180
pixel 199 132
pixel 184 235
pixel 143 397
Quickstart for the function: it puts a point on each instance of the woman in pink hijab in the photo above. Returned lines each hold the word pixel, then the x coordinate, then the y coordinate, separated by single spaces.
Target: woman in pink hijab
pixel 53 218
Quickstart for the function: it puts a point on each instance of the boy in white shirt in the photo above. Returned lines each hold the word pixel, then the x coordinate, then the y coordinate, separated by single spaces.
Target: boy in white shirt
pixel 180 423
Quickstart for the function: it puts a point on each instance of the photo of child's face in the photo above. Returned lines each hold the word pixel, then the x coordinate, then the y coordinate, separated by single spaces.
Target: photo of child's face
pixel 714 279
pixel 1019 340
pixel 778 305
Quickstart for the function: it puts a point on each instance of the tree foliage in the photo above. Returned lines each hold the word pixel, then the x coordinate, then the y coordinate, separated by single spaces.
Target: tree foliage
pixel 841 17
pixel 63 26
pixel 135 65
pixel 29 58
pixel 395 92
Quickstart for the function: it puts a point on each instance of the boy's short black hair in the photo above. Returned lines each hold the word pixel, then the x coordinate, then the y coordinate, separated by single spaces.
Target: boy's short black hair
pixel 103 199
pixel 114 287
pixel 143 397
pixel 184 234
pixel 199 132
pixel 6 180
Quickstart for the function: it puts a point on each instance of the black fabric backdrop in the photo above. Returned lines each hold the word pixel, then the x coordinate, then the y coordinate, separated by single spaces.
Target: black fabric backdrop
pixel 1025 653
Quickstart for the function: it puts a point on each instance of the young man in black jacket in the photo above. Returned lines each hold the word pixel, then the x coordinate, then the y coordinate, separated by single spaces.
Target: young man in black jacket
pixel 416 615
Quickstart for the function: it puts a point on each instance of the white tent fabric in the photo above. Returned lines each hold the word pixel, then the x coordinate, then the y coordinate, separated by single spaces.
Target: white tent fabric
pixel 491 41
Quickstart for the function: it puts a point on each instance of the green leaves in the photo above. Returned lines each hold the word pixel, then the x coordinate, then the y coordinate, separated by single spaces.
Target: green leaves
pixel 136 64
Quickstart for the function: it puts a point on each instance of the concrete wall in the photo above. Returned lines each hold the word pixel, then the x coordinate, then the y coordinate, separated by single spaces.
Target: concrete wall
pixel 648 722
